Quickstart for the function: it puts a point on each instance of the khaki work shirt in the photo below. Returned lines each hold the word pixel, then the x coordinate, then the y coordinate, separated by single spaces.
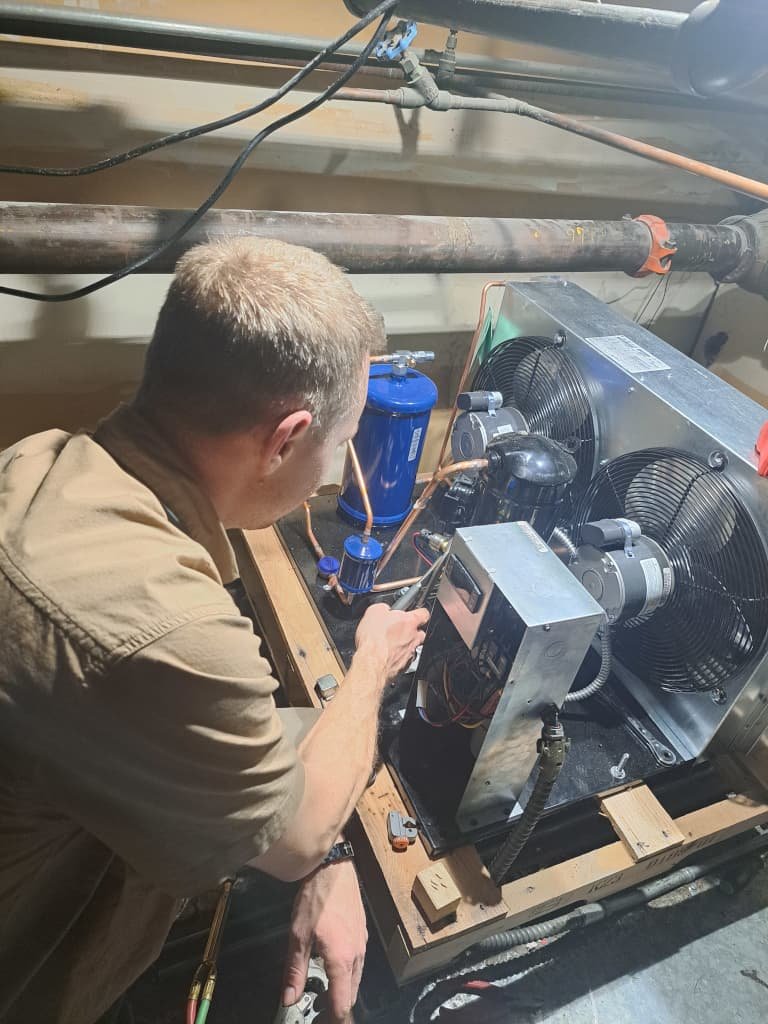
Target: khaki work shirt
pixel 141 756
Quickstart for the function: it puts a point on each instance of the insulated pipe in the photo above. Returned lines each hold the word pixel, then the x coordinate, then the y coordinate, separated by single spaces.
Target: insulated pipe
pixel 41 238
pixel 641 34
pixel 176 37
pixel 720 46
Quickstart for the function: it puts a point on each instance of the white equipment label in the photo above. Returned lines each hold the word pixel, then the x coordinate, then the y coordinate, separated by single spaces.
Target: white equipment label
pixel 414 449
pixel 627 354
pixel 654 581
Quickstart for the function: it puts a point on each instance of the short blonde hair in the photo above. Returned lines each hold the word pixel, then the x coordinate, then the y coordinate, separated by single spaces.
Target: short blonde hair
pixel 252 326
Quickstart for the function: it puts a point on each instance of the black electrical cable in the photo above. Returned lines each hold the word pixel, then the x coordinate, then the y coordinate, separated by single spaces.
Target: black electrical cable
pixel 217 193
pixel 210 126
pixel 649 323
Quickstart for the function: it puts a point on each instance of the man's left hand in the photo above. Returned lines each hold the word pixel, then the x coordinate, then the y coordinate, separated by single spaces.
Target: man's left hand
pixel 328 915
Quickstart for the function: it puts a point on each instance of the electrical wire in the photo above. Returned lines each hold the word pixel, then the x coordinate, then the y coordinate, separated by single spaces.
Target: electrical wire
pixel 415 542
pixel 220 189
pixel 211 126
pixel 652 293
pixel 660 304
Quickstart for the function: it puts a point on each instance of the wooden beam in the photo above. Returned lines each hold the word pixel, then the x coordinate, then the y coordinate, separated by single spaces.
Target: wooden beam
pixel 612 868
pixel 641 822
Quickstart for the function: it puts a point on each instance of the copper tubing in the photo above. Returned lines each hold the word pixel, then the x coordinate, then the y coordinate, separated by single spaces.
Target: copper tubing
pixel 317 547
pixel 361 485
pixel 473 345
pixel 737 182
pixel 380 588
pixel 440 473
pixel 421 503
pixel 411 98
pixel 333 581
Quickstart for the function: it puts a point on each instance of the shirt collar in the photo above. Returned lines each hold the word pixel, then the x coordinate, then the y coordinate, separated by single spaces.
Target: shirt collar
pixel 141 449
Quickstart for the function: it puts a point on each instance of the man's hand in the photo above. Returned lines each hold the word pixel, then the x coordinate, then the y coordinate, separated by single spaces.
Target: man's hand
pixel 328 914
pixel 395 635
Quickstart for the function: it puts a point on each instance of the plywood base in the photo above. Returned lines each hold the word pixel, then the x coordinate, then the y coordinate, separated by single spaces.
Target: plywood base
pixel 302 651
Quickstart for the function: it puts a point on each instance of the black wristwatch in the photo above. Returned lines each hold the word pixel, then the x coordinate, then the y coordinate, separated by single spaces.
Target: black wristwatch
pixel 338 853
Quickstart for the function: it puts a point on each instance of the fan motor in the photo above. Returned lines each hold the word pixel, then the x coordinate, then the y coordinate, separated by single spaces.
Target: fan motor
pixel 483 419
pixel 627 573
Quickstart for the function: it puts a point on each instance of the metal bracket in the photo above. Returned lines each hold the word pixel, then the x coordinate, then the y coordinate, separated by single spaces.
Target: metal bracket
pixel 661 251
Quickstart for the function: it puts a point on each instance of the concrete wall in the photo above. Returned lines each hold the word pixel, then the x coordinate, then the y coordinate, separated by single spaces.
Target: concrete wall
pixel 66 364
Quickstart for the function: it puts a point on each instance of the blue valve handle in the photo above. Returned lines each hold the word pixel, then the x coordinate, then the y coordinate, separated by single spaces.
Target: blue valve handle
pixel 396 42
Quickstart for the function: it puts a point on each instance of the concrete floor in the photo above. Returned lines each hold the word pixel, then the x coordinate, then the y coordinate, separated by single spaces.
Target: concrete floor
pixel 697 956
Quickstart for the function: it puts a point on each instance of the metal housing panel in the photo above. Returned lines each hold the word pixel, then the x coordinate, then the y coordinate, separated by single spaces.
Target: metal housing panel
pixel 646 394
pixel 559 619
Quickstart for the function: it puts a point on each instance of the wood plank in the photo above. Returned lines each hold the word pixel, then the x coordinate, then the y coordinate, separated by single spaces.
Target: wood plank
pixel 288 615
pixel 300 655
pixel 481 900
pixel 436 893
pixel 641 822
pixel 612 868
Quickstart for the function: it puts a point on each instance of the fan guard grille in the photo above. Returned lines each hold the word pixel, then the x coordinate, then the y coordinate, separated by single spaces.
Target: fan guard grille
pixel 715 623
pixel 540 379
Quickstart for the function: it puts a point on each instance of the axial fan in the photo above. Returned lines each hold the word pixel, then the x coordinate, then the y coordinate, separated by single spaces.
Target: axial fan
pixel 709 620
pixel 538 378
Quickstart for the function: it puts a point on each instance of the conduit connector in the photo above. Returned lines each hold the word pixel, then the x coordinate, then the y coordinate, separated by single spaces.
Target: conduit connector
pixel 661 251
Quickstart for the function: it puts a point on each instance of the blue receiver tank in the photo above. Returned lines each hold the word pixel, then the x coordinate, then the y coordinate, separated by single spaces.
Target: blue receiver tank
pixel 390 439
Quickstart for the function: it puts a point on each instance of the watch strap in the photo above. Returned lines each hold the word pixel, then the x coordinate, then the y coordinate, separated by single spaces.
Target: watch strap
pixel 339 852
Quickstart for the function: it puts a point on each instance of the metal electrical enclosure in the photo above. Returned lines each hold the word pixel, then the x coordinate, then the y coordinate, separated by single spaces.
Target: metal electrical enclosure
pixel 503 586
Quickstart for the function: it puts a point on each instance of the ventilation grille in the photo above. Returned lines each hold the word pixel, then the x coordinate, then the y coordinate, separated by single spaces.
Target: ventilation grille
pixel 714 625
pixel 537 376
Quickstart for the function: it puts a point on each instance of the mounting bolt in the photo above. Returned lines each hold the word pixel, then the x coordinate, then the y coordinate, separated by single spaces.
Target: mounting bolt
pixel 560 339
pixel 717 459
pixel 719 696
pixel 617 770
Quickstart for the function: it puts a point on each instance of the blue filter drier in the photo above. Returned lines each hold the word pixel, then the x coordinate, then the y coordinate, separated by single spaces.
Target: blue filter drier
pixel 389 442
pixel 359 564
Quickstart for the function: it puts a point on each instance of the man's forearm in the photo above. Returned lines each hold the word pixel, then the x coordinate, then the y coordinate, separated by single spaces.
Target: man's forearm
pixel 339 751
pixel 337 755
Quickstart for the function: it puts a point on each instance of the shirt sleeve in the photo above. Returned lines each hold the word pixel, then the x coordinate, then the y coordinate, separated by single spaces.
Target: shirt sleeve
pixel 181 766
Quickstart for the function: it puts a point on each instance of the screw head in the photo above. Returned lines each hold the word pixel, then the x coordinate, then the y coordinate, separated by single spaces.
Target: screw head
pixel 717 459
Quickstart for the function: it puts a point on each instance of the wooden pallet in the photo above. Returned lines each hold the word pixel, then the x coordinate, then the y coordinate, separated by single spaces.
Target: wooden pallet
pixel 648 843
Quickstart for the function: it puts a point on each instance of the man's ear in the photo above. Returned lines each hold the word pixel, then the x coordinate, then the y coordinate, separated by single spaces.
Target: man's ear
pixel 281 440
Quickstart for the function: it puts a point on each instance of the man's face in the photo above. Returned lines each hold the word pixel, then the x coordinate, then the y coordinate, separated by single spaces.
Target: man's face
pixel 306 466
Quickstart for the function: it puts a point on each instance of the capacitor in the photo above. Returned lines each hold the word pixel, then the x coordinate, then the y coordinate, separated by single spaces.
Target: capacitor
pixel 389 440
pixel 359 564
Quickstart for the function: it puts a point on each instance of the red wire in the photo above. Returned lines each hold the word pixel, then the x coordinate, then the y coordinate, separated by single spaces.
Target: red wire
pixel 417 549
pixel 191 1011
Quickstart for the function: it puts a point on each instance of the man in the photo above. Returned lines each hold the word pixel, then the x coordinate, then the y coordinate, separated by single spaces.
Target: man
pixel 141 756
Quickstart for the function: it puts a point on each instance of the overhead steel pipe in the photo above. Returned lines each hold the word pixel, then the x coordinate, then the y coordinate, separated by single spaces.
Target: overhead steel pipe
pixel 609 30
pixel 39 238
pixel 719 47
